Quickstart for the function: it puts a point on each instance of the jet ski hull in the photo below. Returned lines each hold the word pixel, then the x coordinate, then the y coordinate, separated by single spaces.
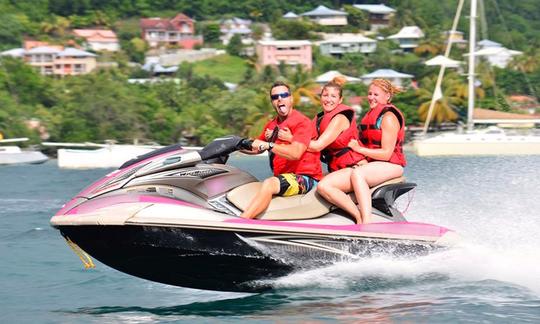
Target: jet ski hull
pixel 226 260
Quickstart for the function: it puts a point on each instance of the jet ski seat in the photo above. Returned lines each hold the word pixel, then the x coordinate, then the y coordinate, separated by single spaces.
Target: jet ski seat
pixel 310 205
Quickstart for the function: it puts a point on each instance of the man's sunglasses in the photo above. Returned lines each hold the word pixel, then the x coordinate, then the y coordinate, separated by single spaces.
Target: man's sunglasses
pixel 282 95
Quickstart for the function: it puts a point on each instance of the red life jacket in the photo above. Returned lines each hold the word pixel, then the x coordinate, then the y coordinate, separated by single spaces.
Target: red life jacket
pixel 337 154
pixel 371 133
pixel 303 132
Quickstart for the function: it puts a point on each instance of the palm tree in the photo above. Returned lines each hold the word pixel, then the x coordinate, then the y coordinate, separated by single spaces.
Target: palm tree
pixel 528 62
pixel 259 116
pixel 428 48
pixel 454 96
pixel 303 86
pixel 403 18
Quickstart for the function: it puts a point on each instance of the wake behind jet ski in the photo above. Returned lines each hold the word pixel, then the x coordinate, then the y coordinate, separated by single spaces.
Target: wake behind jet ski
pixel 172 216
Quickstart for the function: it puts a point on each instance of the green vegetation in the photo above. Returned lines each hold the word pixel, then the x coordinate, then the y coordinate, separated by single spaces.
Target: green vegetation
pixel 224 67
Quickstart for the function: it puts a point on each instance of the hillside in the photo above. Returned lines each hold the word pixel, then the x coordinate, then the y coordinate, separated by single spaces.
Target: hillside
pixel 513 23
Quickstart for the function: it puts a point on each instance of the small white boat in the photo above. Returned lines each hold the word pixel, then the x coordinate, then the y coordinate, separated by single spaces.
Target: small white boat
pixel 14 155
pixel 95 155
pixel 107 156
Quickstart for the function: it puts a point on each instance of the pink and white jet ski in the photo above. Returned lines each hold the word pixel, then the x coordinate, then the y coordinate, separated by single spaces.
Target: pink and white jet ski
pixel 172 216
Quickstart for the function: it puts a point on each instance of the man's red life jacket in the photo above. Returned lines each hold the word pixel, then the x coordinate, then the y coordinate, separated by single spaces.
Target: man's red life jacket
pixel 303 131
pixel 338 155
pixel 371 133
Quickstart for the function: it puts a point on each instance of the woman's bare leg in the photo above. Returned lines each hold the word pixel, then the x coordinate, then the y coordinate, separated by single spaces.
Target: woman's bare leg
pixel 334 188
pixel 369 175
pixel 261 200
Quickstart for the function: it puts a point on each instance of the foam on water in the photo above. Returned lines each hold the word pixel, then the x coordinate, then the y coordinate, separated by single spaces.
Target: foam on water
pixel 465 263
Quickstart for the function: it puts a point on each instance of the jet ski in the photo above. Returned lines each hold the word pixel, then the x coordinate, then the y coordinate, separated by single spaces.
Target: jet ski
pixel 172 216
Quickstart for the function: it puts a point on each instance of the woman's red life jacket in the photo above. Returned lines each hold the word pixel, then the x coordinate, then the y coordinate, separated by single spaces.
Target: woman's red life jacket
pixel 371 133
pixel 338 155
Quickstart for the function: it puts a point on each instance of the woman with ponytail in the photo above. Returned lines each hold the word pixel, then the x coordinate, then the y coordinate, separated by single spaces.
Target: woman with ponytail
pixel 382 135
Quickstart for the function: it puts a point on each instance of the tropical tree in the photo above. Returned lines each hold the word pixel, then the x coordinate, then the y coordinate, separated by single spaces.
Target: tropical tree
pixel 445 107
pixel 211 33
pixel 235 46
pixel 261 114
pixel 428 48
pixel 356 17
pixel 304 86
pixel 528 62
pixel 293 29
pixel 454 98
pixel 56 26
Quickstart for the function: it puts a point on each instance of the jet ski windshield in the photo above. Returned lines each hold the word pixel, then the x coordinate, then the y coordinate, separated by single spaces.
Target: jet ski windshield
pixel 216 152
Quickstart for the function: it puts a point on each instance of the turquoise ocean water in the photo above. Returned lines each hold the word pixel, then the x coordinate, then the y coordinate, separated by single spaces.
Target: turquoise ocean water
pixel 492 277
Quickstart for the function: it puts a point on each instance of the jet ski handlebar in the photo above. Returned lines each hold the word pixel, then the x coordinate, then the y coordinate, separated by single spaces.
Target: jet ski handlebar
pixel 245 144
pixel 223 146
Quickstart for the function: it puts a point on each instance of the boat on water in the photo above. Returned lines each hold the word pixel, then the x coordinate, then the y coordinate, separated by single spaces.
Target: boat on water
pixel 489 141
pixel 95 155
pixel 106 156
pixel 12 154
pixel 172 216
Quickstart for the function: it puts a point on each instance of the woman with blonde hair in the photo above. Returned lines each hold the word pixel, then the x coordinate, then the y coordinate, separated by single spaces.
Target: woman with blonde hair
pixel 382 135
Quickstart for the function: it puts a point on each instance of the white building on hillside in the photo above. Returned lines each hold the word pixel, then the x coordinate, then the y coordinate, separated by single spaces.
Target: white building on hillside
pixel 236 26
pixel 328 76
pixel 339 44
pixel 442 60
pixel 379 15
pixel 397 78
pixel 408 37
pixel 291 16
pixel 494 53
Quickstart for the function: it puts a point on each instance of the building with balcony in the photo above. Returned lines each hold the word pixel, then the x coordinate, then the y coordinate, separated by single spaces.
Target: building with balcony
pixel 338 44
pixel 52 60
pixel 290 52
pixel 236 26
pixel 379 15
pixel 178 31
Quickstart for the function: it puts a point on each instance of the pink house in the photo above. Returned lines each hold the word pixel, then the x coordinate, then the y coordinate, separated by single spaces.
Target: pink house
pixel 98 39
pixel 290 52
pixel 179 30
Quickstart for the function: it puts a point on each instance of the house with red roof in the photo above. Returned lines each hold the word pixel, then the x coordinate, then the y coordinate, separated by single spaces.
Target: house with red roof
pixel 179 31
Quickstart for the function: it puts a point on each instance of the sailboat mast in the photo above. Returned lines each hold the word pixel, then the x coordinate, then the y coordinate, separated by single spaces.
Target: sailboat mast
pixel 472 41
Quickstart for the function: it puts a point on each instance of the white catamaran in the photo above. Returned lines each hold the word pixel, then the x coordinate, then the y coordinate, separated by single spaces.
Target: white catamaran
pixel 489 141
